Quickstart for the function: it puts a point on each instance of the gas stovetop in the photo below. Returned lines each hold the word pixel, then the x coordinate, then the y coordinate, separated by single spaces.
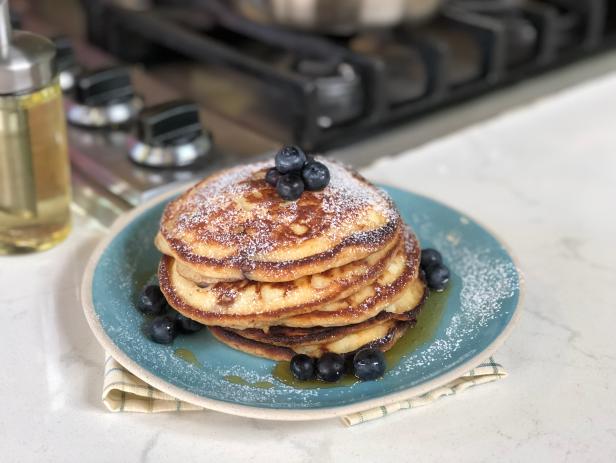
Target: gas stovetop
pixel 324 91
pixel 200 88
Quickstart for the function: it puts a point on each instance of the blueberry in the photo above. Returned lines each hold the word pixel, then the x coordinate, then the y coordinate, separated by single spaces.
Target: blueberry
pixel 330 367
pixel 272 176
pixel 348 363
pixel 290 159
pixel 437 276
pixel 290 187
pixel 315 175
pixel 429 257
pixel 151 301
pixel 369 364
pixel 186 325
pixel 302 367
pixel 162 329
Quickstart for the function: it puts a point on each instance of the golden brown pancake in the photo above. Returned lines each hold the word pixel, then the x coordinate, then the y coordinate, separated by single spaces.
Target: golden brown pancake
pixel 233 226
pixel 346 345
pixel 246 304
pixel 410 296
pixel 290 337
pixel 397 289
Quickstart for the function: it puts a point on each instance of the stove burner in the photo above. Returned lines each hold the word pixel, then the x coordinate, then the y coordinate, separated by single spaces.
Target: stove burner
pixel 490 6
pixel 339 94
pixel 520 34
pixel 522 38
pixel 405 69
pixel 318 68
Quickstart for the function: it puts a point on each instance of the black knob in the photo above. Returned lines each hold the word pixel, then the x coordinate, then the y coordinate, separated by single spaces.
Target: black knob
pixel 65 55
pixel 15 19
pixel 104 86
pixel 171 123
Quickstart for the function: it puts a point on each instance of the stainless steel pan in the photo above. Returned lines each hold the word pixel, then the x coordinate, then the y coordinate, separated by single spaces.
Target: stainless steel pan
pixel 337 16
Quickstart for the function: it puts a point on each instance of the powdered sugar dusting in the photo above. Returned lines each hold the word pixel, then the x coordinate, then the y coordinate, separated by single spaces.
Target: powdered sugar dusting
pixel 238 210
pixel 211 204
pixel 347 191
pixel 485 280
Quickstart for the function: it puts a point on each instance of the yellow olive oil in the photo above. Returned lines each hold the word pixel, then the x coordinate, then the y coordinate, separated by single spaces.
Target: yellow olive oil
pixel 34 171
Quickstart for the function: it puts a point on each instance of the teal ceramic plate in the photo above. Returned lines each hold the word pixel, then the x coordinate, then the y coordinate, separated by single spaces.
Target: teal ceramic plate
pixel 479 312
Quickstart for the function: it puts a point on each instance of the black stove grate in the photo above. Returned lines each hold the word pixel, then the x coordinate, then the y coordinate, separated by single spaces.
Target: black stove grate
pixel 320 92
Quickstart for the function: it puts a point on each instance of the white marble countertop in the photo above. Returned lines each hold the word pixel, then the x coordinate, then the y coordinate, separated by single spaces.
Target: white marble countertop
pixel 543 178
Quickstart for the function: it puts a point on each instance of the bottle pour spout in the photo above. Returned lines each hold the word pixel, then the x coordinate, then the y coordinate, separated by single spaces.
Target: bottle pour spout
pixel 5 29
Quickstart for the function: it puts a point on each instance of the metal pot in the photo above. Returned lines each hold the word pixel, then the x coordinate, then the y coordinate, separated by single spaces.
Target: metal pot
pixel 339 17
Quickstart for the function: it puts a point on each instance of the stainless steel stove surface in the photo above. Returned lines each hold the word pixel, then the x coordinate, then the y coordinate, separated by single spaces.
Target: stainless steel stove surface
pixel 128 159
pixel 131 135
pixel 164 92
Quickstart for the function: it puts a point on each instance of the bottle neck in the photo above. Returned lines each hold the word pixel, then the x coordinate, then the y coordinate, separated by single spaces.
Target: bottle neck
pixel 5 29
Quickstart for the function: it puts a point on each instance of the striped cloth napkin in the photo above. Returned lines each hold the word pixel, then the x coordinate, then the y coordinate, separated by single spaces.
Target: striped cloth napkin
pixel 124 392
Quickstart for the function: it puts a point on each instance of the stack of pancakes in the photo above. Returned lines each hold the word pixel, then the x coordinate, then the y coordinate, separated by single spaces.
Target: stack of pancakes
pixel 334 271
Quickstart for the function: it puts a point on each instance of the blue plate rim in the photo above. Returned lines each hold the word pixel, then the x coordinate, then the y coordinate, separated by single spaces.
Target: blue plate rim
pixel 249 411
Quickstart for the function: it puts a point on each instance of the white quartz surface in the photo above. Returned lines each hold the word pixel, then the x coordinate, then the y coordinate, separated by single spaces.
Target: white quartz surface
pixel 543 178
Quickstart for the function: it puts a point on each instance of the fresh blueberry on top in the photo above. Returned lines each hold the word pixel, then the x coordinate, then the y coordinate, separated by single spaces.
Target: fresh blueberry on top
pixel 437 276
pixel 151 301
pixel 369 364
pixel 290 187
pixel 186 325
pixel 290 159
pixel 272 176
pixel 302 367
pixel 315 175
pixel 429 257
pixel 162 329
pixel 330 367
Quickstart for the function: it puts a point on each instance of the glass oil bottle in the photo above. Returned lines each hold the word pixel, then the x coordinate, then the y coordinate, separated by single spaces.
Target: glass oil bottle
pixel 34 168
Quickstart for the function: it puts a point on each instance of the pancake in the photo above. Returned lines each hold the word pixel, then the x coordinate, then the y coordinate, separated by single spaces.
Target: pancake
pixel 354 341
pixel 397 289
pixel 291 337
pixel 347 345
pixel 411 296
pixel 233 226
pixel 247 304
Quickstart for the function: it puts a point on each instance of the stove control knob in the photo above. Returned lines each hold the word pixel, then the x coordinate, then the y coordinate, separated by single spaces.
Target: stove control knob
pixel 104 98
pixel 66 62
pixel 15 19
pixel 170 135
